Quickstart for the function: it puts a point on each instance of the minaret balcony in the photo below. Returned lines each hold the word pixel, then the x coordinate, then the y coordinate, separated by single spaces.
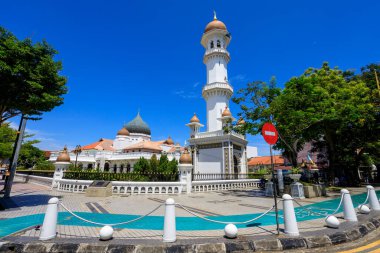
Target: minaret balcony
pixel 215 52
pixel 217 88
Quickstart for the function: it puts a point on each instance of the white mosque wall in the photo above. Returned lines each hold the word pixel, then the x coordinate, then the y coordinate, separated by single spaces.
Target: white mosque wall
pixel 216 69
pixel 210 160
pixel 215 106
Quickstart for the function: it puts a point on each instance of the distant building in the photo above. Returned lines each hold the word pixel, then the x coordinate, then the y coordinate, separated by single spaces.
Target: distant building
pixel 264 162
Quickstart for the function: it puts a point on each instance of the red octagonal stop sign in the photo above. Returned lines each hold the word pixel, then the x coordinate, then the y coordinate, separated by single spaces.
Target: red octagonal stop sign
pixel 269 133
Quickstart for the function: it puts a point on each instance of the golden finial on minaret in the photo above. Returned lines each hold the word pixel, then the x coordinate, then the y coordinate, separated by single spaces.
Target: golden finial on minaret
pixel 215 15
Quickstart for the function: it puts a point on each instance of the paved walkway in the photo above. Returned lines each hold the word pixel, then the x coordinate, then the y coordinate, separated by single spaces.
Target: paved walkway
pixel 31 198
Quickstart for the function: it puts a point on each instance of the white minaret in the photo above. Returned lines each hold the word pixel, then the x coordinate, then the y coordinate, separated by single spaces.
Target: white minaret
pixel 217 91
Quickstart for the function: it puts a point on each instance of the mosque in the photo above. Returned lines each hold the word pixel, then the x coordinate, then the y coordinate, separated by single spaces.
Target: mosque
pixel 218 150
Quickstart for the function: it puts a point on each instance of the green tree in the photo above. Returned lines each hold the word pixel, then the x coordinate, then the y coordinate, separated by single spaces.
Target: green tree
pixel 163 164
pixel 30 82
pixel 30 155
pixel 335 111
pixel 7 139
pixel 142 165
pixel 44 165
pixel 153 163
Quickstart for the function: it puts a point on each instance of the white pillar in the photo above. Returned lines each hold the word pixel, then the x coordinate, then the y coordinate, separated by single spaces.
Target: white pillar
pixel 169 221
pixel 348 208
pixel 290 221
pixel 280 178
pixel 49 227
pixel 185 175
pixel 372 198
pixel 60 167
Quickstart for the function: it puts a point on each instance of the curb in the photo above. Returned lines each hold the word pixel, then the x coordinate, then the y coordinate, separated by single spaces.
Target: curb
pixel 242 246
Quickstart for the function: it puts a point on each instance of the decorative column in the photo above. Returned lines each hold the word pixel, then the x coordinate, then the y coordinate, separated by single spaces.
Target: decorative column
pixel 61 165
pixel 185 167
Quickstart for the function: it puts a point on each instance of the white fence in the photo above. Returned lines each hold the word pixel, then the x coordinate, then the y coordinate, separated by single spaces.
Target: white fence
pixel 129 188
pixel 122 187
pixel 70 185
pixel 221 185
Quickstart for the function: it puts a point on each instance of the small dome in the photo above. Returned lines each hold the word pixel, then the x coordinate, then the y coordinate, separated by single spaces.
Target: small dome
pixel 215 24
pixel 185 157
pixel 194 119
pixel 63 156
pixel 241 121
pixel 137 125
pixel 226 113
pixel 169 141
pixel 123 131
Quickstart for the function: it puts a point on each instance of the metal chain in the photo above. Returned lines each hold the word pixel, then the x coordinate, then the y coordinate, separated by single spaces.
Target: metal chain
pixel 227 222
pixel 104 224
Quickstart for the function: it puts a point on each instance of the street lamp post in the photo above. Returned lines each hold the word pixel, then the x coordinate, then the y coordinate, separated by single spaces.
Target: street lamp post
pixel 77 151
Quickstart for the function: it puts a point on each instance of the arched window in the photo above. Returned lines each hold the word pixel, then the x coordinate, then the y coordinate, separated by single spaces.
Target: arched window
pixel 106 167
pixel 122 168
pixel 89 166
pixel 212 44
pixel 114 168
pixel 218 43
pixel 128 167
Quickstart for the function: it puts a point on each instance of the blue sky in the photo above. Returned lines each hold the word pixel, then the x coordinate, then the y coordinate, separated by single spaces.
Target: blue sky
pixel 125 56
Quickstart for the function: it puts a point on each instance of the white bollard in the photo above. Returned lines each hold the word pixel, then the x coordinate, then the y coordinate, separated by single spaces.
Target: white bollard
pixel 230 231
pixel 49 227
pixel 290 221
pixel 364 209
pixel 348 208
pixel 332 221
pixel 169 221
pixel 106 233
pixel 372 198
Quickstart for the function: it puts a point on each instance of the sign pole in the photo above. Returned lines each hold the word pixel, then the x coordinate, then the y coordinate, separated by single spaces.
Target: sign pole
pixel 270 135
pixel 274 190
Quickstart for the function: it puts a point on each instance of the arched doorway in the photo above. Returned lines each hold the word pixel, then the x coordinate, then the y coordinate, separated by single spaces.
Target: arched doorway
pixel 106 167
pixel 236 167
pixel 89 166
pixel 122 168
pixel 115 168
pixel 128 168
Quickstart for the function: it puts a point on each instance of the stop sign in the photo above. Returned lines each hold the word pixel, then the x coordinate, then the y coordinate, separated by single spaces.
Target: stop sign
pixel 269 133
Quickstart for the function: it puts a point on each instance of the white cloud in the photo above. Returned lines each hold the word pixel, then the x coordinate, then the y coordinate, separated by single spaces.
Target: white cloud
pixel 238 78
pixel 196 84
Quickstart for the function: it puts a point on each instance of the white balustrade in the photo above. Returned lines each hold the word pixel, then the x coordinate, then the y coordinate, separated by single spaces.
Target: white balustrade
pixel 123 187
pixel 221 185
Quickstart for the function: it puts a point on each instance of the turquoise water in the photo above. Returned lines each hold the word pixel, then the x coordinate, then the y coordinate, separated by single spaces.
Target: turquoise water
pixel 12 225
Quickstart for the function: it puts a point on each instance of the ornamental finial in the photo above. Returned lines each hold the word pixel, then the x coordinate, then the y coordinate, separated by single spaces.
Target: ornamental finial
pixel 215 15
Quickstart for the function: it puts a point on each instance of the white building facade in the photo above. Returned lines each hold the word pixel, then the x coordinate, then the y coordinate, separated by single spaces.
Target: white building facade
pixel 132 142
pixel 219 150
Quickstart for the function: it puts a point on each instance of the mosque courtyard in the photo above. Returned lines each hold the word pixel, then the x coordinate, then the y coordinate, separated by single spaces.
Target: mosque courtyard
pixel 23 214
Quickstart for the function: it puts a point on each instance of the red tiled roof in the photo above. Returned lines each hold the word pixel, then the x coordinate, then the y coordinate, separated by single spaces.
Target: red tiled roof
pixel 265 160
pixel 147 145
pixel 102 144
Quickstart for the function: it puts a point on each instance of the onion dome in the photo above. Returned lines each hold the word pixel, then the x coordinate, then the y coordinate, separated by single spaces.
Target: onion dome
pixel 123 131
pixel 215 24
pixel 226 113
pixel 194 119
pixel 138 126
pixel 241 121
pixel 169 141
pixel 185 157
pixel 64 156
